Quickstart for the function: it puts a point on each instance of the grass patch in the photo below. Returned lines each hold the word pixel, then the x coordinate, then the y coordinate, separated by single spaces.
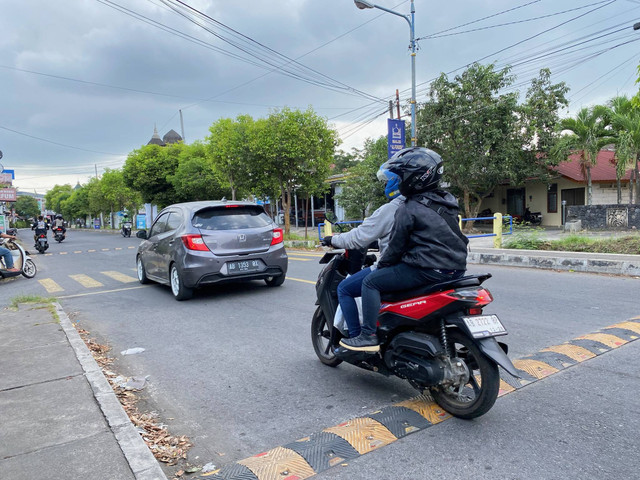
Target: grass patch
pixel 627 245
pixel 30 299
pixel 292 236
pixel 526 238
pixel 47 302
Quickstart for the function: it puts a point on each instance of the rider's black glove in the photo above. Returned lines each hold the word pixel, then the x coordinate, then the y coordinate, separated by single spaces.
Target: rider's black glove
pixel 326 241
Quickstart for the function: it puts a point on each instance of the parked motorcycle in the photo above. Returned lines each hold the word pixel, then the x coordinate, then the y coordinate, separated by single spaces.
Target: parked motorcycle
pixel 58 234
pixel 530 218
pixel 42 244
pixel 533 218
pixel 21 259
pixel 436 337
pixel 126 229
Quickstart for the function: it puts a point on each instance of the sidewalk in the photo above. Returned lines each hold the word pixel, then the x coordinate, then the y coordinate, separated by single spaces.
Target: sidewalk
pixel 59 417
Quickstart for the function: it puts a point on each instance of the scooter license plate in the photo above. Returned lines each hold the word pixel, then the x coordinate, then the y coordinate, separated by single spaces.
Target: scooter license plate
pixel 482 326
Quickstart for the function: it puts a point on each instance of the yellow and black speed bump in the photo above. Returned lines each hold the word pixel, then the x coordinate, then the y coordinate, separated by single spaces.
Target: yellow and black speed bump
pixel 323 450
pixel 336 445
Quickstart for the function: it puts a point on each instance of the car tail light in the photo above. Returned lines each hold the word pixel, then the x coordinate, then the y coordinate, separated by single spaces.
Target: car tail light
pixel 194 242
pixel 480 296
pixel 277 236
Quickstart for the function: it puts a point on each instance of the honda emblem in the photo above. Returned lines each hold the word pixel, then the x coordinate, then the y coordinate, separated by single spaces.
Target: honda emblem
pixel 242 237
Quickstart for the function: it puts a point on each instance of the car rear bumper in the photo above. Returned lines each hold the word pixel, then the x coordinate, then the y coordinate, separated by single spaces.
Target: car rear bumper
pixel 202 270
pixel 219 277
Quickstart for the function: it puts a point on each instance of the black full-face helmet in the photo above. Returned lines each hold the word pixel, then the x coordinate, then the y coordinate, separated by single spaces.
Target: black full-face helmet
pixel 419 169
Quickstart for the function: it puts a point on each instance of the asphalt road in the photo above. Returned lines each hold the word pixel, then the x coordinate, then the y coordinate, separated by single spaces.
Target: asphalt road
pixel 234 369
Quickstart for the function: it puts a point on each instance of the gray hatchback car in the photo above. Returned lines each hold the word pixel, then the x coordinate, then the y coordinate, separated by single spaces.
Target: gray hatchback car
pixel 200 243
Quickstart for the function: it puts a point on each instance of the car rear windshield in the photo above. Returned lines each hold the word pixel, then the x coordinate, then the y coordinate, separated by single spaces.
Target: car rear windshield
pixel 230 218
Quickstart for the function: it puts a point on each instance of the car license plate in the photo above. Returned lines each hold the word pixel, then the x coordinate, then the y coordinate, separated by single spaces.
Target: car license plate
pixel 482 326
pixel 244 266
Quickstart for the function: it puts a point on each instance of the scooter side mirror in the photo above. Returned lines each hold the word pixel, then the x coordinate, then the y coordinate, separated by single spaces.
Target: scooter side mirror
pixel 142 234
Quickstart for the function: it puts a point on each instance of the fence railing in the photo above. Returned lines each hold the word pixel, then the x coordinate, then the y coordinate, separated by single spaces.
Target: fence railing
pixel 498 226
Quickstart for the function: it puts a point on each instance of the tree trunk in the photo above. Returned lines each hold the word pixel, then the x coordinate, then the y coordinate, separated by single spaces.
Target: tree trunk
pixel 589 186
pixel 306 217
pixel 637 202
pixel 631 186
pixel 286 206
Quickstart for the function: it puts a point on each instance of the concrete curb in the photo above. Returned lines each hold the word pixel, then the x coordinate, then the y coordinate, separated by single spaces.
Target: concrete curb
pixel 530 259
pixel 141 461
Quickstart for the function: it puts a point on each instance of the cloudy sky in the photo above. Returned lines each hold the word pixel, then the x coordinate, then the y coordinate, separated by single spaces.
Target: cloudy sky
pixel 83 82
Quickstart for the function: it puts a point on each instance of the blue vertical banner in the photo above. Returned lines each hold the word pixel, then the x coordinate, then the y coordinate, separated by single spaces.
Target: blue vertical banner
pixel 395 135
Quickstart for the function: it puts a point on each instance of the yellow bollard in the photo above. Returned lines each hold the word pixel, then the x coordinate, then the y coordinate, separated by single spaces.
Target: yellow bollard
pixel 497 230
pixel 327 229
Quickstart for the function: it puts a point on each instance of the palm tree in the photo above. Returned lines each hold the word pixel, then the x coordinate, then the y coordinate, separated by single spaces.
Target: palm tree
pixel 625 120
pixel 586 134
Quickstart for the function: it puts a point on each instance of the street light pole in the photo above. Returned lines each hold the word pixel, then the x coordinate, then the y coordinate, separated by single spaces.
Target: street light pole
pixel 362 4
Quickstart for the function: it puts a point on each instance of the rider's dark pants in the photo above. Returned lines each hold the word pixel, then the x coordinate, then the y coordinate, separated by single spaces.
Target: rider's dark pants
pixel 392 279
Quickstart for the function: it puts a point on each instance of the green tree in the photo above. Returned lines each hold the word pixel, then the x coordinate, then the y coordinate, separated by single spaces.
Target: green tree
pixel 27 207
pixel 291 149
pixel 77 205
pixel 148 170
pixel 97 201
pixel 54 197
pixel 587 133
pixel 486 137
pixel 228 147
pixel 625 120
pixel 343 161
pixel 362 192
pixel 195 178
pixel 540 111
pixel 116 195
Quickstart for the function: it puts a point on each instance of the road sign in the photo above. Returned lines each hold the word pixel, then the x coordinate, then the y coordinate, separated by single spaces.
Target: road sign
pixel 395 135
pixel 8 194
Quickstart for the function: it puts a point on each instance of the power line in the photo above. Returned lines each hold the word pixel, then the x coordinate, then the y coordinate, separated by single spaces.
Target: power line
pixel 479 20
pixel 62 144
pixel 512 23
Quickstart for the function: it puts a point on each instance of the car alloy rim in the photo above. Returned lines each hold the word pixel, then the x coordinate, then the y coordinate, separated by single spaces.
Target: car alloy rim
pixel 175 281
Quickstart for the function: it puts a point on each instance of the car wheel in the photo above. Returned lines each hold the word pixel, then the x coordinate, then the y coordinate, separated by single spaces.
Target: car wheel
pixel 142 274
pixel 180 292
pixel 275 281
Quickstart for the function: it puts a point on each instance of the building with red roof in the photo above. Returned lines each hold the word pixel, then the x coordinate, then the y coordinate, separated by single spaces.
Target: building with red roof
pixel 569 186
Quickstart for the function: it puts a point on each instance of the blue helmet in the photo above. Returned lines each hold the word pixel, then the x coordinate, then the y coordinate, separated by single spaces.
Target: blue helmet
pixel 392 187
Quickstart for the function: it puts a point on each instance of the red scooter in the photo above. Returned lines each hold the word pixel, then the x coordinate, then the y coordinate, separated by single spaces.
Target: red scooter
pixel 437 337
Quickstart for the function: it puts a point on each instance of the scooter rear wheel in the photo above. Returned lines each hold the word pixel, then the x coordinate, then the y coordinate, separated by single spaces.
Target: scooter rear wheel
pixel 320 337
pixel 478 395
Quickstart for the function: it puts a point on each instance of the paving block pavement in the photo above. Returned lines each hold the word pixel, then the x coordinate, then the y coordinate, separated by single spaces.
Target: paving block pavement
pixel 59 417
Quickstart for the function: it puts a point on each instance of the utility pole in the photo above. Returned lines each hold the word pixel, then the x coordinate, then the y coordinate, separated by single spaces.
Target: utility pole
pixel 391 109
pixel 398 102
pixel 182 127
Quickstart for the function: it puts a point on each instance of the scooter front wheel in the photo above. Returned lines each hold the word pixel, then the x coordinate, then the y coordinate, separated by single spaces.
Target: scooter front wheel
pixel 30 269
pixel 479 393
pixel 320 337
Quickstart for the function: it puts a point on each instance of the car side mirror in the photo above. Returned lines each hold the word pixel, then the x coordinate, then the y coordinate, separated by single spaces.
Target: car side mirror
pixel 142 234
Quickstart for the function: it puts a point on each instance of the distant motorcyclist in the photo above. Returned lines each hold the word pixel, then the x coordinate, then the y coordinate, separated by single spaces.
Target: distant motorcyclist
pixel 39 227
pixel 59 223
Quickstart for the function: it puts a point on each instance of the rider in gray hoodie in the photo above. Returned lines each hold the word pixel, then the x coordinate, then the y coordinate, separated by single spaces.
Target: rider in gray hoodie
pixel 376 227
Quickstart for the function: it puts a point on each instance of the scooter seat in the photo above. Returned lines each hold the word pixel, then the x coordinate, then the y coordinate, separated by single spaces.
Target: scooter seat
pixel 466 281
